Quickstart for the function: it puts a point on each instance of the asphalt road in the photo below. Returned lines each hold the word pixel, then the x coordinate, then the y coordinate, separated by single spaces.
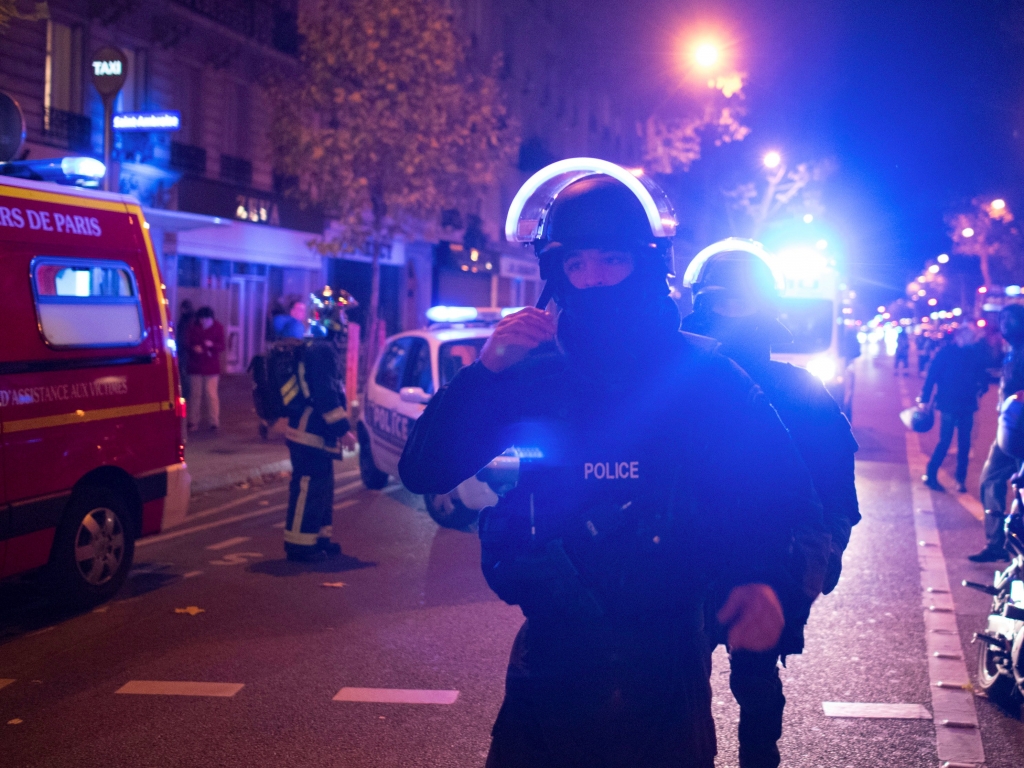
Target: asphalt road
pixel 407 613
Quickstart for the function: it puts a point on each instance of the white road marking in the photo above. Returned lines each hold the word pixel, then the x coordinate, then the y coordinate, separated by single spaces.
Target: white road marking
pixel 227 520
pixel 192 574
pixel 5 681
pixel 207 526
pixel 951 690
pixel 236 558
pixel 228 543
pixel 258 495
pixel 175 688
pixel 886 711
pixel 395 696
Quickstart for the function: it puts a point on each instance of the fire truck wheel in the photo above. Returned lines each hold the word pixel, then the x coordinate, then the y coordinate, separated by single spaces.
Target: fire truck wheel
pixel 93 547
pixel 372 477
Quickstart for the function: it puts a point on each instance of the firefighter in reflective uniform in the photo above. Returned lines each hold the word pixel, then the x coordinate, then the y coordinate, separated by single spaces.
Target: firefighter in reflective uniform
pixel 316 433
pixel 735 289
pixel 659 469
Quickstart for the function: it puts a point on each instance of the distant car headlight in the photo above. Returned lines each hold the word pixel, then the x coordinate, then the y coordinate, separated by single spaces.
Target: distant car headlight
pixel 822 367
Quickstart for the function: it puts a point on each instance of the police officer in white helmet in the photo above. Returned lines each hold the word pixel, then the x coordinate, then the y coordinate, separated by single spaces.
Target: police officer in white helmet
pixel 652 456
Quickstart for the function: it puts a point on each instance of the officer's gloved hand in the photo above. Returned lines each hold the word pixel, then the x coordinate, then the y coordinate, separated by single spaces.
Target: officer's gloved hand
pixel 515 336
pixel 754 617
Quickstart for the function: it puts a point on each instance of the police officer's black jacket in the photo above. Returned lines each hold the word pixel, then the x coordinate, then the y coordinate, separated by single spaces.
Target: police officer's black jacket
pixel 823 436
pixel 650 492
pixel 1012 379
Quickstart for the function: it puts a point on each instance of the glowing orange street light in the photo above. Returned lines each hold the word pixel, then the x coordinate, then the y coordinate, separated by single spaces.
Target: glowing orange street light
pixel 998 204
pixel 707 55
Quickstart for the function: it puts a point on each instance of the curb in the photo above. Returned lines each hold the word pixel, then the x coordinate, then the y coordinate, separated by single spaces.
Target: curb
pixel 235 476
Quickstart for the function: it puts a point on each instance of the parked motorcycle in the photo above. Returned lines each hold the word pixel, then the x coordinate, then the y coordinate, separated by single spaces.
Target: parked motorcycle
pixel 1001 645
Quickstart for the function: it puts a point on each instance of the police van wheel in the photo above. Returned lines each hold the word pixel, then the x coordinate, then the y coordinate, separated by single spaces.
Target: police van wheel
pixel 93 548
pixel 372 477
pixel 448 511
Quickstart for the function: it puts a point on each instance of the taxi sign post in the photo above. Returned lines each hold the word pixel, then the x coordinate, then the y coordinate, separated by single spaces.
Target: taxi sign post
pixel 109 71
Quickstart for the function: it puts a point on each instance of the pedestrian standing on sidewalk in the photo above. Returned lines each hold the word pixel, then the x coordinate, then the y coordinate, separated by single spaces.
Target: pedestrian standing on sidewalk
pixel 736 303
pixel 999 466
pixel 205 344
pixel 958 374
pixel 318 429
pixel 186 316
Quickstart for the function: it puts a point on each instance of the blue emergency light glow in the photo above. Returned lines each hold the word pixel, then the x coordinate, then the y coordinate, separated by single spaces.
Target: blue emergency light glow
pixel 443 314
pixel 510 311
pixel 84 167
pixel 72 171
pixel 1012 290
pixel 147 121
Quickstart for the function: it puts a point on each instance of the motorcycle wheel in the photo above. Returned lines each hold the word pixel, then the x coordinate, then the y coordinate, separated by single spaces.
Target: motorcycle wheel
pixel 448 511
pixel 996 685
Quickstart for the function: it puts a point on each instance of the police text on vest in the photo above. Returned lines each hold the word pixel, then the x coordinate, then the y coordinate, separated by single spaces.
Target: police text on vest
pixel 612 470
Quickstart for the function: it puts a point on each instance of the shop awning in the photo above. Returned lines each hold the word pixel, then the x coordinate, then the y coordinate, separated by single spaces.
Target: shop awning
pixel 255 243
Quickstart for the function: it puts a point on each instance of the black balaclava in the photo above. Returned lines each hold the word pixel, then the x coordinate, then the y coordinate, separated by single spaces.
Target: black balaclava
pixel 607 330
pixel 748 339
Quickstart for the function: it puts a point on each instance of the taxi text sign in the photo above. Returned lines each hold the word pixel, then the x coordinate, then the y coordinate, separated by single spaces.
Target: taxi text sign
pixel 109 71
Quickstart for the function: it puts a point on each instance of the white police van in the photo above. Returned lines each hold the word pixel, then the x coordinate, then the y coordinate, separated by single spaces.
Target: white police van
pixel 411 367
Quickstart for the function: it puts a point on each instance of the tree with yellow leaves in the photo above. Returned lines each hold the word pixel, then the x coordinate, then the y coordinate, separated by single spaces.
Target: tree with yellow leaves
pixel 20 9
pixel 385 123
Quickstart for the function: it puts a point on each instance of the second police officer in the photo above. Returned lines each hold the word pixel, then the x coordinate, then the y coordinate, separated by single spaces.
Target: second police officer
pixel 735 294
pixel 318 429
pixel 658 470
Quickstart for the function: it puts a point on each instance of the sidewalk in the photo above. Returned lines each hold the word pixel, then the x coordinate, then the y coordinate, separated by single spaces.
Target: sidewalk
pixel 234 454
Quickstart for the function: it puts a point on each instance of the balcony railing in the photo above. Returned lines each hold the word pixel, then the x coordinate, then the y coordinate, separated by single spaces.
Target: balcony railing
pixel 270 22
pixel 67 130
pixel 188 159
pixel 236 170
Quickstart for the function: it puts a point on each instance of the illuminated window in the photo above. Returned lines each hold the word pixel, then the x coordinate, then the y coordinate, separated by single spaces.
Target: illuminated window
pixel 87 303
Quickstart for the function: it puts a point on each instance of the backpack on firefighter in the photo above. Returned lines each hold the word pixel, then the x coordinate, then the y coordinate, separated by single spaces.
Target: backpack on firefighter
pixel 276 392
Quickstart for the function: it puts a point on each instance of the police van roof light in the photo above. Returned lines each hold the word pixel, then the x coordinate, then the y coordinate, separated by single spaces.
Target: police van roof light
pixel 442 314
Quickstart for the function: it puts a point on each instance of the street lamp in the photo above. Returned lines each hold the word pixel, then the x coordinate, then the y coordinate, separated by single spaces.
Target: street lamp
pixel 998 204
pixel 707 55
pixel 772 159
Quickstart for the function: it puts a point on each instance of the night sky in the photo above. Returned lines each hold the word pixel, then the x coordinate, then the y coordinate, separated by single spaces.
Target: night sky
pixel 919 103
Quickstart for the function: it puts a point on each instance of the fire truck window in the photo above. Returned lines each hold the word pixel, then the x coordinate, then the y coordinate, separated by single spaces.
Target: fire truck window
pixel 83 304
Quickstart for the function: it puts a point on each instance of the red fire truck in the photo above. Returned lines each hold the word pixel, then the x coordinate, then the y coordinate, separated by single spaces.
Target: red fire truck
pixel 92 452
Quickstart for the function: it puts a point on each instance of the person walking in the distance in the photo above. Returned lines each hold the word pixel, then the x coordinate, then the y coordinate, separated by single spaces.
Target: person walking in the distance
pixel 1000 467
pixel 205 345
pixel 902 358
pixel 959 377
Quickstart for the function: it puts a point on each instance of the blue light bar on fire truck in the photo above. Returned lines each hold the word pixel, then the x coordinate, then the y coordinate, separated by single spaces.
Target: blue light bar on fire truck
pixel 72 171
pixel 526 215
pixel 694 269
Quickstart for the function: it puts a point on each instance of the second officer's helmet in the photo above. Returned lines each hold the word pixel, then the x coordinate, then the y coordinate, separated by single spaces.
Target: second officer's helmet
pixel 735 270
pixel 586 203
